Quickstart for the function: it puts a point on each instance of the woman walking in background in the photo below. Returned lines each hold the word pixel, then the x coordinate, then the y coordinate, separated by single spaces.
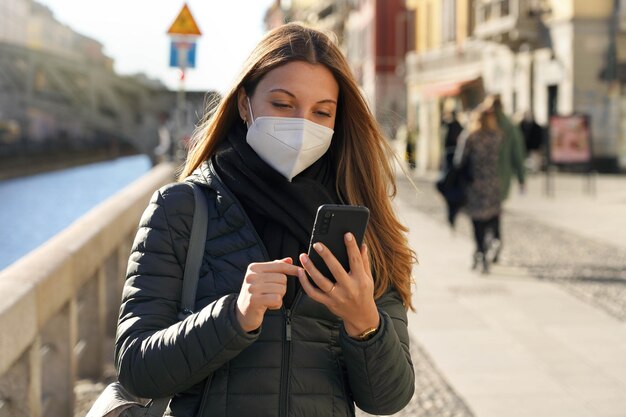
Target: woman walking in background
pixel 481 153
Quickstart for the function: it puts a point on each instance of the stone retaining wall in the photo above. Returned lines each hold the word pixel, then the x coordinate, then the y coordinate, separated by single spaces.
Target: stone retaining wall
pixel 59 304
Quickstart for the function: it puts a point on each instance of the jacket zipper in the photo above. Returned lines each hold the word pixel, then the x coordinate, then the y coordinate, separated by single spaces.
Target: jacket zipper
pixel 283 407
pixel 284 374
pixel 205 394
pixel 288 325
pixel 286 360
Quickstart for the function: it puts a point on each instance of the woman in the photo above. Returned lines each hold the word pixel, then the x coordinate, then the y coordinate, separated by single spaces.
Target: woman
pixel 263 341
pixel 481 152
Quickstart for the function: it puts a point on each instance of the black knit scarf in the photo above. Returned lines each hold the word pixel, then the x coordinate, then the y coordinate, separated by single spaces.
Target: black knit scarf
pixel 282 212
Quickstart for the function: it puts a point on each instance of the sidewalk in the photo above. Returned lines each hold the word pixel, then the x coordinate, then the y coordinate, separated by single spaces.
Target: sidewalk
pixel 509 344
pixel 600 216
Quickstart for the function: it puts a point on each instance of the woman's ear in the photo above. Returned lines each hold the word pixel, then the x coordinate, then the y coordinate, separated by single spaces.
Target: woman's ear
pixel 242 105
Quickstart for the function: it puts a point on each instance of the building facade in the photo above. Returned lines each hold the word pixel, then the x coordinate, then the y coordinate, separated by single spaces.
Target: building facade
pixel 372 35
pixel 444 70
pixel 13 21
pixel 32 25
pixel 58 90
pixel 547 57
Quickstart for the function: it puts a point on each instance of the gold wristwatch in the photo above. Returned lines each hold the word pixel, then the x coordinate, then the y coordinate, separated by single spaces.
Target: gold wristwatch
pixel 367 334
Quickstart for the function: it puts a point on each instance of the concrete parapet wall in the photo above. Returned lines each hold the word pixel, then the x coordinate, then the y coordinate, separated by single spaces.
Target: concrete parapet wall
pixel 59 303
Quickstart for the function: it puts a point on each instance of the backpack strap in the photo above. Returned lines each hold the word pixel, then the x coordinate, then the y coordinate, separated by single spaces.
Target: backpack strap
pixel 195 253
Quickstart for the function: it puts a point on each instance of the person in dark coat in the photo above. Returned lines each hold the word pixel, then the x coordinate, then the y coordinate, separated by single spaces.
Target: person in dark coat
pixel 263 341
pixel 452 181
pixel 533 139
pixel 451 129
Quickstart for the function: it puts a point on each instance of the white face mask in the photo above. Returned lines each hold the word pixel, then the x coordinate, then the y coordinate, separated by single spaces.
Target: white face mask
pixel 288 144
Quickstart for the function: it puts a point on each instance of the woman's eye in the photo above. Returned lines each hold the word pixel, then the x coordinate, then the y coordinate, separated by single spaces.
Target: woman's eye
pixel 280 105
pixel 323 113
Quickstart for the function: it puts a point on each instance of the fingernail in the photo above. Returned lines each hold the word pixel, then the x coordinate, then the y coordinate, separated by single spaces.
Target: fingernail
pixel 304 259
pixel 318 247
pixel 348 237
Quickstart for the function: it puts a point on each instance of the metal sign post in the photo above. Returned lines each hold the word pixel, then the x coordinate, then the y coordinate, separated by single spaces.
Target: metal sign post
pixel 184 32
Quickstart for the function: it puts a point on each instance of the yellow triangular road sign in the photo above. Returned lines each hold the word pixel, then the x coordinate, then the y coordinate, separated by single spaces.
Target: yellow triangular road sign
pixel 184 24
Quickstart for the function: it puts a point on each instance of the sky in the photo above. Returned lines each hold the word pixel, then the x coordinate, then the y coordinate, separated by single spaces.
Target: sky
pixel 133 33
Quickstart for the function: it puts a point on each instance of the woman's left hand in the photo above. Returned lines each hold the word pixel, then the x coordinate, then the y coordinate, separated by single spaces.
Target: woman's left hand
pixel 352 296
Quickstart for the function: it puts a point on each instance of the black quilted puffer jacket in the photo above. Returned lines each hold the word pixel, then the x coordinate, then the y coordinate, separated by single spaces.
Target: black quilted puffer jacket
pixel 300 363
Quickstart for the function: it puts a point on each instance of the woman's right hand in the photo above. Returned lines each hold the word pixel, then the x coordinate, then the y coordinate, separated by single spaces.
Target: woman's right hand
pixel 263 288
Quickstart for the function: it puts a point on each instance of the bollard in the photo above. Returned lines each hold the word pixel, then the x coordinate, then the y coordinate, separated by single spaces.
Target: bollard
pixel 549 181
pixel 14 389
pixel 590 183
pixel 112 295
pixel 58 363
pixel 88 349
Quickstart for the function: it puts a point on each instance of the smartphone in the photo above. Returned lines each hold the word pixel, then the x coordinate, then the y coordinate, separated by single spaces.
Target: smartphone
pixel 332 222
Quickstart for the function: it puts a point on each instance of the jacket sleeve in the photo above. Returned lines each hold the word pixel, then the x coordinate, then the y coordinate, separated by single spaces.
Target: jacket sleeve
pixel 156 355
pixel 380 370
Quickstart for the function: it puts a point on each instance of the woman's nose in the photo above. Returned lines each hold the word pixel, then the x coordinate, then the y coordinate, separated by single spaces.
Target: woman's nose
pixel 302 114
pixel 308 115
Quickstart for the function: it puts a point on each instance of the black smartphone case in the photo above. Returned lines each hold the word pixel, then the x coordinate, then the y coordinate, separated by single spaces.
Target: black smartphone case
pixel 332 222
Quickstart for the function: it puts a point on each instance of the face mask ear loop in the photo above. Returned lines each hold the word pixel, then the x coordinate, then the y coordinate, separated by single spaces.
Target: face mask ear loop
pixel 250 108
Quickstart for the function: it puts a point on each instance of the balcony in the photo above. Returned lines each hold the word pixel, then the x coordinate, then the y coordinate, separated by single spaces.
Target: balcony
pixel 510 22
pixel 450 62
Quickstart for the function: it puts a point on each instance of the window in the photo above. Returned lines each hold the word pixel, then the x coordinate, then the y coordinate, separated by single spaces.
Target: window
pixel 505 9
pixel 471 17
pixel 430 42
pixel 449 20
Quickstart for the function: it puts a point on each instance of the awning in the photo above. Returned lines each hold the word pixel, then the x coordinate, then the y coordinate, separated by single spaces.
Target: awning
pixel 449 88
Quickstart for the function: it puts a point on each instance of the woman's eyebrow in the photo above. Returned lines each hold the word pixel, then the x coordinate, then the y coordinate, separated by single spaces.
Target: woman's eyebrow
pixel 282 90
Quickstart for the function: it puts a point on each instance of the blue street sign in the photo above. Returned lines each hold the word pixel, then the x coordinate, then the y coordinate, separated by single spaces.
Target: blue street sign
pixel 183 54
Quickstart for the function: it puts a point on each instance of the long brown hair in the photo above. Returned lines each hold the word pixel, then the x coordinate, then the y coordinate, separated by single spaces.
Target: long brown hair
pixel 483 119
pixel 364 173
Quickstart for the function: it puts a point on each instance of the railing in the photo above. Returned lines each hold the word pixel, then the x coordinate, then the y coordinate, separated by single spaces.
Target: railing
pixel 448 63
pixel 59 304
pixel 510 22
pixel 495 9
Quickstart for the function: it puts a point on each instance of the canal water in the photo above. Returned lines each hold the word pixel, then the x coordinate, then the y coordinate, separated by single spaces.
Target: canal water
pixel 35 208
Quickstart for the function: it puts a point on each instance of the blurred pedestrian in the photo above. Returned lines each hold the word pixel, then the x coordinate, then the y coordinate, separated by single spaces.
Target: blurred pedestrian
pixel 480 150
pixel 533 139
pixel 451 182
pixel 451 129
pixel 261 341
pixel 164 150
pixel 454 177
pixel 409 155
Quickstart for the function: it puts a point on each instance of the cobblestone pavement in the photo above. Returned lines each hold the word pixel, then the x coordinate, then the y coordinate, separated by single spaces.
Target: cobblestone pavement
pixel 591 270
